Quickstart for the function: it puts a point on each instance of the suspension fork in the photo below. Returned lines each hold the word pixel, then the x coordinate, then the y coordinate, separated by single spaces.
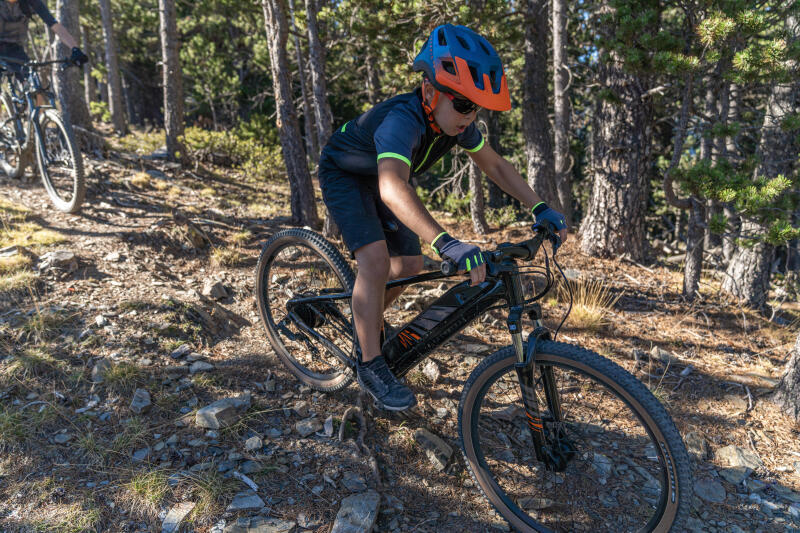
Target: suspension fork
pixel 526 374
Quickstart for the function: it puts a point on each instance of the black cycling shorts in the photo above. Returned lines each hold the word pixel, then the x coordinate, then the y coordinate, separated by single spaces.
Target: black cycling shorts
pixel 355 205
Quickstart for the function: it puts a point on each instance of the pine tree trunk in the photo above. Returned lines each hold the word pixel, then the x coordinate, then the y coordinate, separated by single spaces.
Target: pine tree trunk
pixel 172 77
pixel 316 59
pixel 303 204
pixel 112 65
pixel 561 110
pixel 476 206
pixel 308 123
pixel 787 393
pixel 496 194
pixel 535 123
pixel 749 270
pixel 694 250
pixel 67 81
pixel 614 223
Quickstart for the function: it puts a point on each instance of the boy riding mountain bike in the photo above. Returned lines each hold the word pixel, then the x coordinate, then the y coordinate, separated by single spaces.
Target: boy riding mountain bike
pixel 364 175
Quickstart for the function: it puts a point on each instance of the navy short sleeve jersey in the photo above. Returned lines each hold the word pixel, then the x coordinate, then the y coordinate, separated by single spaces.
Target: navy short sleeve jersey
pixel 395 128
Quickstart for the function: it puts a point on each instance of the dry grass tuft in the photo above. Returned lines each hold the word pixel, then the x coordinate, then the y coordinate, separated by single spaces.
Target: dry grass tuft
pixel 231 257
pixel 141 180
pixel 15 263
pixel 122 378
pixel 147 490
pixel 211 491
pixel 591 302
pixel 17 281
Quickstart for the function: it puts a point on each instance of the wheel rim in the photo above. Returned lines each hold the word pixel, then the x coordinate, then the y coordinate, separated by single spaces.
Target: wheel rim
pixel 618 479
pixel 9 148
pixel 57 162
pixel 297 270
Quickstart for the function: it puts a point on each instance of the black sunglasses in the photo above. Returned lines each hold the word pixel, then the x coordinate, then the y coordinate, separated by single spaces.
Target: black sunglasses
pixel 462 105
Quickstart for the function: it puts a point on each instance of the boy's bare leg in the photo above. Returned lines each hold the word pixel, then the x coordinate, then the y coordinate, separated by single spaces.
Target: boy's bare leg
pixel 401 267
pixel 368 292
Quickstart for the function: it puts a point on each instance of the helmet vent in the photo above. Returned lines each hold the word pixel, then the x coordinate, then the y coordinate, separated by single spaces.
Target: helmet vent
pixel 462 42
pixel 449 67
pixel 442 38
pixel 474 73
pixel 493 78
pixel 488 53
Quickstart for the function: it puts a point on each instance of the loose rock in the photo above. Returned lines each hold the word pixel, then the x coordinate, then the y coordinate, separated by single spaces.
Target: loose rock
pixel 260 524
pixel 357 514
pixel 436 449
pixel 709 490
pixel 140 402
pixel 353 482
pixel 175 516
pixel 253 443
pixel 696 445
pixel 308 426
pixel 99 370
pixel 736 456
pixel 200 366
pixel 180 351
pixel 215 290
pixel 222 413
pixel 246 501
pixel 58 259
pixel 431 370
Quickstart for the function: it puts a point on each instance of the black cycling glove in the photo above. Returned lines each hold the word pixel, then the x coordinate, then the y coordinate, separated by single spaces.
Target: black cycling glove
pixel 465 256
pixel 78 58
pixel 543 213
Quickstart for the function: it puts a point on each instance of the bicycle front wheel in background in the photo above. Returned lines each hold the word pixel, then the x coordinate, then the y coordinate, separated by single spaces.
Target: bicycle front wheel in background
pixel 624 465
pixel 10 151
pixel 60 163
pixel 299 263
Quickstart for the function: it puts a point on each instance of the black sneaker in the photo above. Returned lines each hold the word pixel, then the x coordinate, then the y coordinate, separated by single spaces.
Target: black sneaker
pixel 376 378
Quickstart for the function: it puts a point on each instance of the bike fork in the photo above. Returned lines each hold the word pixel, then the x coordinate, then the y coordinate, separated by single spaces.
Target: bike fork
pixel 526 374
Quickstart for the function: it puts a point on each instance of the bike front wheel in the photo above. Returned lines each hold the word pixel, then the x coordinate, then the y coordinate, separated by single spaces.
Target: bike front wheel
pixel 10 152
pixel 621 463
pixel 60 162
pixel 314 340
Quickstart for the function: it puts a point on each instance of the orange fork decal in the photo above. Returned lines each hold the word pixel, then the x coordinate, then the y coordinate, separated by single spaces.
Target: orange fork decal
pixel 534 422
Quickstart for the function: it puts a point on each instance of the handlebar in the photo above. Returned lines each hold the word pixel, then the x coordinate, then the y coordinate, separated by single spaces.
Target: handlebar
pixel 523 250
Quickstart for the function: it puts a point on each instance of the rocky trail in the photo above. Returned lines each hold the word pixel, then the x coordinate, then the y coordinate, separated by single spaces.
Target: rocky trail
pixel 138 391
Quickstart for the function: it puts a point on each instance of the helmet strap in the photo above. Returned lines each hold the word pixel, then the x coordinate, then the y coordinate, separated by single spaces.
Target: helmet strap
pixel 428 108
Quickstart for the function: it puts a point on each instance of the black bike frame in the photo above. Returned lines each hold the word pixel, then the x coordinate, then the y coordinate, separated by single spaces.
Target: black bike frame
pixel 452 312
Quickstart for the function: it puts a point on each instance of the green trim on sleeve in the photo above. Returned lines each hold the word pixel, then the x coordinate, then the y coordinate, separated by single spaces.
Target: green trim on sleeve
pixel 537 205
pixel 480 145
pixel 343 127
pixel 395 156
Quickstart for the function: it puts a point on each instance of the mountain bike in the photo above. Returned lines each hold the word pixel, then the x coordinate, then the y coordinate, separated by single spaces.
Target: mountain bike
pixel 558 438
pixel 31 126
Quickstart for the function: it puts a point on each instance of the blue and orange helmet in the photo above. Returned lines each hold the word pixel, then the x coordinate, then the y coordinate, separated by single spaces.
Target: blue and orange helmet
pixel 456 59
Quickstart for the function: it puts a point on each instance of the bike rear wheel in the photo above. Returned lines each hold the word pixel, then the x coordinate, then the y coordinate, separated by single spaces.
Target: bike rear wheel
pixel 60 163
pixel 10 151
pixel 301 263
pixel 626 465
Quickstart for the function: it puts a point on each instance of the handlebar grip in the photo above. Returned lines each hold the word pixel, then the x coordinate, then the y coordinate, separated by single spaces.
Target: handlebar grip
pixel 448 267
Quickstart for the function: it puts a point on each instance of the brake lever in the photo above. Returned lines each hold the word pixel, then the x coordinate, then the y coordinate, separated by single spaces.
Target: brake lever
pixel 550 234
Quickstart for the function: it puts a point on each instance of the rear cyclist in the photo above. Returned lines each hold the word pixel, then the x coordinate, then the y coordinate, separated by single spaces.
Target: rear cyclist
pixel 14 18
pixel 364 175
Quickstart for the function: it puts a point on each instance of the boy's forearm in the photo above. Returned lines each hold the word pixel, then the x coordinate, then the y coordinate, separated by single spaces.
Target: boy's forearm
pixel 507 178
pixel 64 35
pixel 400 197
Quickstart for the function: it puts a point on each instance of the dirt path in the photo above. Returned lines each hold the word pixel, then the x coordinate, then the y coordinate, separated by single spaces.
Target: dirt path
pixel 76 457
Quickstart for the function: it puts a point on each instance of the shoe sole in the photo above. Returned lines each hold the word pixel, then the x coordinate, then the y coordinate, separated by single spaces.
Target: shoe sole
pixel 379 403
